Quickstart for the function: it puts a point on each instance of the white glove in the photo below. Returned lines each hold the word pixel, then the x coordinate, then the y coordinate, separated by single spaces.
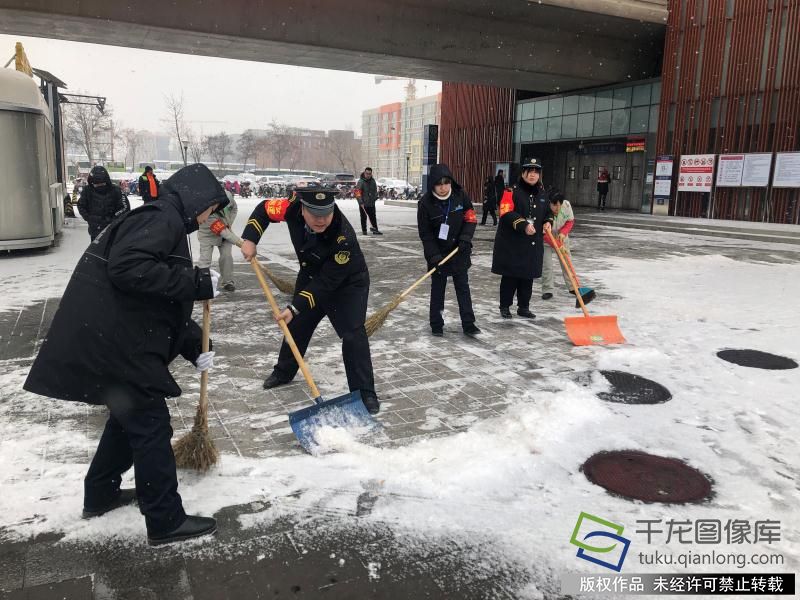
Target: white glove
pixel 214 281
pixel 204 362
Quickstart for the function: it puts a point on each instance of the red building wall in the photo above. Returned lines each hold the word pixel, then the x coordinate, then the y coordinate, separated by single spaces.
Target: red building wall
pixel 730 84
pixel 475 132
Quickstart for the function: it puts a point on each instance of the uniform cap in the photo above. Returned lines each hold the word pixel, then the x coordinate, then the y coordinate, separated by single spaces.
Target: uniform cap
pixel 532 163
pixel 318 201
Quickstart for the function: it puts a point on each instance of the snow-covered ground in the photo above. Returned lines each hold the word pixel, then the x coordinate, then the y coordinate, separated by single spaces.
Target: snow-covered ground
pixel 514 479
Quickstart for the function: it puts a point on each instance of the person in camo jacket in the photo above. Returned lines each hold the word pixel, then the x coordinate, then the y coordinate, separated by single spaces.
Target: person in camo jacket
pixel 217 232
pixel 563 222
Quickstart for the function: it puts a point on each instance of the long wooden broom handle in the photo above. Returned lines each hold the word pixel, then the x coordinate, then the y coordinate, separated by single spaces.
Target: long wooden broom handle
pixel 204 347
pixel 288 336
pixel 569 272
pixel 428 274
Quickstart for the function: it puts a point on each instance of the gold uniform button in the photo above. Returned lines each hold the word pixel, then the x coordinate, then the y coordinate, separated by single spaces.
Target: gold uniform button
pixel 304 264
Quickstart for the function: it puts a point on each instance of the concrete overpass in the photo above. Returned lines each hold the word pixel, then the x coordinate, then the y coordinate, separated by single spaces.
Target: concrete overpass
pixel 552 45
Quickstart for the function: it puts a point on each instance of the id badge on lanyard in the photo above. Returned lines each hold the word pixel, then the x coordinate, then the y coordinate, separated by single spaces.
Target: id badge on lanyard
pixel 444 228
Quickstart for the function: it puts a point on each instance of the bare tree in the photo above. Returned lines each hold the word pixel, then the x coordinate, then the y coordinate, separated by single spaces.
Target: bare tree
pixel 219 146
pixel 283 142
pixel 247 147
pixel 197 146
pixel 339 144
pixel 85 126
pixel 174 118
pixel 132 141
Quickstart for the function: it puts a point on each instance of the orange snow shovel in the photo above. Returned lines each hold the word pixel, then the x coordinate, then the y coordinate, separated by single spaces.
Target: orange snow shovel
pixel 588 330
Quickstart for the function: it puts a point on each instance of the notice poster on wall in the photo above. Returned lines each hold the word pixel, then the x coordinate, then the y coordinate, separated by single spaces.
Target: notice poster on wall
pixel 696 173
pixel 787 170
pixel 730 170
pixel 756 169
pixel 663 185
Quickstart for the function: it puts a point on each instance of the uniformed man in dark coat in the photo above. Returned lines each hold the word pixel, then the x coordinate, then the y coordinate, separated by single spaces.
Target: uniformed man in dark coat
pixel 446 220
pixel 124 317
pixel 333 281
pixel 100 201
pixel 518 245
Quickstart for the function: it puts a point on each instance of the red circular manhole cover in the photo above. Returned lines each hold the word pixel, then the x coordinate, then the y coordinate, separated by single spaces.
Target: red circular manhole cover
pixel 646 477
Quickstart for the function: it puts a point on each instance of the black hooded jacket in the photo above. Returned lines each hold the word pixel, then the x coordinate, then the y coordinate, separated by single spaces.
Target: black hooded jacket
pixel 126 312
pixel 99 206
pixel 457 211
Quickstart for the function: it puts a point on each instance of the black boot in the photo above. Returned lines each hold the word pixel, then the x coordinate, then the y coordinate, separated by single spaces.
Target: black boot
pixel 125 498
pixel 505 312
pixel 376 232
pixel 471 329
pixel 192 527
pixel 370 400
pixel 437 331
pixel 525 312
pixel 274 380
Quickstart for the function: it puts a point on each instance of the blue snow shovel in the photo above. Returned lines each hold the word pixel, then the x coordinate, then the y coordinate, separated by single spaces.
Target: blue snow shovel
pixel 347 411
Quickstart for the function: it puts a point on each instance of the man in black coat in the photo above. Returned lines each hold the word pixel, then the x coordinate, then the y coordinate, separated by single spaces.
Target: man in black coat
pixel 124 317
pixel 519 243
pixel 489 201
pixel 446 220
pixel 148 185
pixel 367 196
pixel 333 281
pixel 100 201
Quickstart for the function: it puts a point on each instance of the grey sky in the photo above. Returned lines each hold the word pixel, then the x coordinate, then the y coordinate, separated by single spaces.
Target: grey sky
pixel 219 94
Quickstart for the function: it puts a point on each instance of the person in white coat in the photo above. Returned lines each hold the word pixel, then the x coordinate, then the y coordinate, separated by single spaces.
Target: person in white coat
pixel 217 233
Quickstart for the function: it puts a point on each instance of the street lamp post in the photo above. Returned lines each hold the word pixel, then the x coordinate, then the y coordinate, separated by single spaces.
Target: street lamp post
pixel 185 152
pixel 408 160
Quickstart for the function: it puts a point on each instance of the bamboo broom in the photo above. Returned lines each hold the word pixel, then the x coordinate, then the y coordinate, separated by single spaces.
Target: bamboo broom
pixel 377 319
pixel 196 449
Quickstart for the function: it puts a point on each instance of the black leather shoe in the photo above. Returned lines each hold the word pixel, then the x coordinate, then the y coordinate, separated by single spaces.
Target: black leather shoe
pixel 547 296
pixel 505 312
pixel 524 312
pixel 229 287
pixel 274 381
pixel 471 329
pixel 437 331
pixel 376 232
pixel 125 498
pixel 192 527
pixel 370 400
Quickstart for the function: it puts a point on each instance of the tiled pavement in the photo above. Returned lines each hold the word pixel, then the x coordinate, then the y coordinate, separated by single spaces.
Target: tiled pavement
pixel 429 387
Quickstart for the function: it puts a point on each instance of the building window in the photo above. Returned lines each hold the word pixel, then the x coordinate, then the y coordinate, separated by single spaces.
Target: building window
pixel 617 172
pixel 639 118
pixel 571 105
pixel 622 97
pixel 569 126
pixel 527 111
pixel 540 109
pixel 554 107
pixel 585 125
pixel 586 104
pixel 539 130
pixel 641 95
pixel 554 128
pixel 587 172
pixel 602 123
pixel 620 121
pixel 571 174
pixel 603 100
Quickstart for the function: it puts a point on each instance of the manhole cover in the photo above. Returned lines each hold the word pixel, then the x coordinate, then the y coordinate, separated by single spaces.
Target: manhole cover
pixel 757 359
pixel 641 476
pixel 628 388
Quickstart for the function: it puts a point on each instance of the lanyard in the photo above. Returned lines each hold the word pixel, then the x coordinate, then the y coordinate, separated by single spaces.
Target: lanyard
pixel 447 214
